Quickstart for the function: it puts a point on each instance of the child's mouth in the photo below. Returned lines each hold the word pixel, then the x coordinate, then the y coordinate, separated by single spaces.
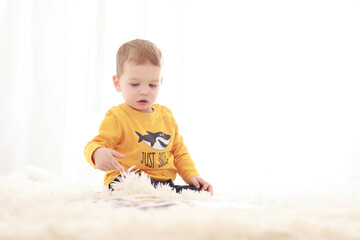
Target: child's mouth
pixel 142 102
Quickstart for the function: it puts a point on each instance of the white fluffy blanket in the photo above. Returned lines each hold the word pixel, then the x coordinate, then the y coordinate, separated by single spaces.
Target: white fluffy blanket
pixel 36 205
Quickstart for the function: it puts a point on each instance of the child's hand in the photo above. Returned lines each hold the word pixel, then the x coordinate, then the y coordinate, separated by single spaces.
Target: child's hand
pixel 198 182
pixel 105 161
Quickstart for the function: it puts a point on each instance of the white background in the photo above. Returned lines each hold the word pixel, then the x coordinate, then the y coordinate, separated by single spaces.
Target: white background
pixel 266 93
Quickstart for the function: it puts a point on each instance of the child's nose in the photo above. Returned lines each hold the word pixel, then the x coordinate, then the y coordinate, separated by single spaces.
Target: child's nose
pixel 144 91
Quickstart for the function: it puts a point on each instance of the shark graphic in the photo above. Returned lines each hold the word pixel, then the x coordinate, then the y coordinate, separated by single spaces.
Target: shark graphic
pixel 158 141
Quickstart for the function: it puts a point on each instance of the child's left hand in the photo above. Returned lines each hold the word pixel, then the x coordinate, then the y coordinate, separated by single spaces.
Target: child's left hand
pixel 197 182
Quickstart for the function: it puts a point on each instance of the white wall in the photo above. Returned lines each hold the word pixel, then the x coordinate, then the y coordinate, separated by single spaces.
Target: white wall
pixel 265 92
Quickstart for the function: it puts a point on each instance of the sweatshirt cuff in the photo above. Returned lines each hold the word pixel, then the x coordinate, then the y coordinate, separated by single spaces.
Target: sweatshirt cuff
pixel 89 154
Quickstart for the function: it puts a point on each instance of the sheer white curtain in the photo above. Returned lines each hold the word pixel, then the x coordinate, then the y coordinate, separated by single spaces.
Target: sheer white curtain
pixel 266 91
pixel 51 65
pixel 57 60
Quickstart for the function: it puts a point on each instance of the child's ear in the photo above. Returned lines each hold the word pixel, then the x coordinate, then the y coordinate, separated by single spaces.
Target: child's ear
pixel 161 80
pixel 116 82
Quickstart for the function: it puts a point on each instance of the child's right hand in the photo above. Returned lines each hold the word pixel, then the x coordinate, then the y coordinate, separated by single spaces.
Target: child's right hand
pixel 105 161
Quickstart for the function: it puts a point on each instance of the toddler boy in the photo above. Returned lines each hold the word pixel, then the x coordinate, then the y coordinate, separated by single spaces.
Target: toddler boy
pixel 138 132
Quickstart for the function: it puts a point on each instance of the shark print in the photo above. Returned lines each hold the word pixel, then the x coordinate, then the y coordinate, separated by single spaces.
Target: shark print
pixel 158 141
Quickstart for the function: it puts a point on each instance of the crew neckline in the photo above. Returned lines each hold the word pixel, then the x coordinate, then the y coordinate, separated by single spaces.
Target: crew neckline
pixel 138 113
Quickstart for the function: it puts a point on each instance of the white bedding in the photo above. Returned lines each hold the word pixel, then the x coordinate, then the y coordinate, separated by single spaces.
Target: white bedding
pixel 37 205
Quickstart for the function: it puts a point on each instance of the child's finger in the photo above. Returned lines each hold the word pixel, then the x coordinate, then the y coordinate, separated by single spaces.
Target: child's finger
pixel 210 190
pixel 205 186
pixel 197 184
pixel 117 165
pixel 116 154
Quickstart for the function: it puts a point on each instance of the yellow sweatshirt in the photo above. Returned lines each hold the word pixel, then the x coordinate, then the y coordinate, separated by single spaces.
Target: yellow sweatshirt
pixel 149 141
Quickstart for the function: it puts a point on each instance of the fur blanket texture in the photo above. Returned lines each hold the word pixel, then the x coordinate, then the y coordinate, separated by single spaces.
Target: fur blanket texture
pixel 35 204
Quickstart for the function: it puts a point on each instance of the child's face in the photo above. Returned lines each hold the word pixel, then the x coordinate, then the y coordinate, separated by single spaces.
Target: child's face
pixel 139 85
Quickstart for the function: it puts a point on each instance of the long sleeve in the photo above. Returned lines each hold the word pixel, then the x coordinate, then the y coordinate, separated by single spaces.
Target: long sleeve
pixel 182 159
pixel 109 136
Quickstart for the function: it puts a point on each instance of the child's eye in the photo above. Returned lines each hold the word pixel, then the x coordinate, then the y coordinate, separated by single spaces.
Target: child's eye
pixel 152 85
pixel 134 84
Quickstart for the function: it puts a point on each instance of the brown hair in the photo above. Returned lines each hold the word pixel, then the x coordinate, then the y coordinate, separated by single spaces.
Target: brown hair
pixel 138 51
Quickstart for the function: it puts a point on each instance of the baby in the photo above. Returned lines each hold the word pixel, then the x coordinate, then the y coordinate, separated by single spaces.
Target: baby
pixel 138 132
